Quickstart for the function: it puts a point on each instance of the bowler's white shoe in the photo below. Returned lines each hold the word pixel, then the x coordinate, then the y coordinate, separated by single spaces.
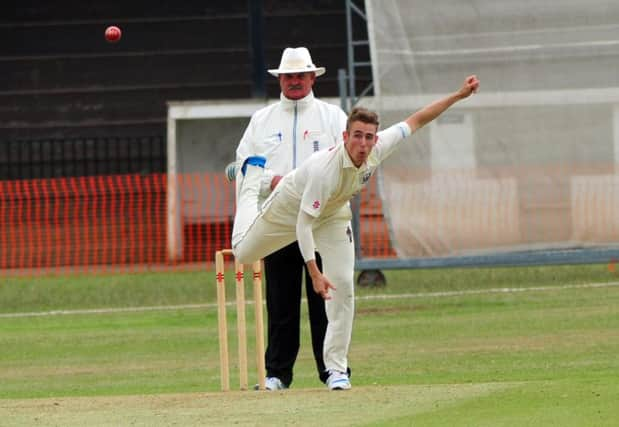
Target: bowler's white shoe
pixel 338 381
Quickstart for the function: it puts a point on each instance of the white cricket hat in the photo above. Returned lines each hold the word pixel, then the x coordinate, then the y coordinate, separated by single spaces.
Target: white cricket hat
pixel 296 60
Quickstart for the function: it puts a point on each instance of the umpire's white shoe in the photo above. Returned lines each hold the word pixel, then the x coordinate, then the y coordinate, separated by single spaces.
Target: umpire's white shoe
pixel 272 384
pixel 338 381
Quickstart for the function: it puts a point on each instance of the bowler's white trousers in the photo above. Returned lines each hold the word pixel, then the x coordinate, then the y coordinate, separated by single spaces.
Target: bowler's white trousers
pixel 259 231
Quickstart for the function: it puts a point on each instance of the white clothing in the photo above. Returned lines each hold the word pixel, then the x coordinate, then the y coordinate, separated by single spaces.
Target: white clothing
pixel 288 132
pixel 320 187
pixel 305 238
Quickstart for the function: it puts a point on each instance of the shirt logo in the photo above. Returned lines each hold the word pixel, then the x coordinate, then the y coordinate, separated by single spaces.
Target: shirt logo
pixel 311 134
pixel 316 145
pixel 277 135
pixel 366 177
pixel 316 204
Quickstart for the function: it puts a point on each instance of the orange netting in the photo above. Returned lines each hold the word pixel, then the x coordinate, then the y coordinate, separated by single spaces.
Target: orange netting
pixel 121 222
pixel 374 232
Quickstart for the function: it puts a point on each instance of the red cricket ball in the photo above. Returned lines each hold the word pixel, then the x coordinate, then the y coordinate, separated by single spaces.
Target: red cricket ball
pixel 112 34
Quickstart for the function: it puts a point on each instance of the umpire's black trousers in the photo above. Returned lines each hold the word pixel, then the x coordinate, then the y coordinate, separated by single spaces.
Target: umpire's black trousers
pixel 284 271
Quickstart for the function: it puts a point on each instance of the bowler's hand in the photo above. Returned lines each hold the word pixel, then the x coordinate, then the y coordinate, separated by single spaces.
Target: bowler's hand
pixel 322 285
pixel 470 86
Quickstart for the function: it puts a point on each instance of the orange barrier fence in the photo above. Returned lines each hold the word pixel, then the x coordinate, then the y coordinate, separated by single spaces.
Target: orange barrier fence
pixel 374 232
pixel 121 221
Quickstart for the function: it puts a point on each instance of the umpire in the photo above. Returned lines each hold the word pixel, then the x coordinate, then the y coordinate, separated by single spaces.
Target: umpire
pixel 286 134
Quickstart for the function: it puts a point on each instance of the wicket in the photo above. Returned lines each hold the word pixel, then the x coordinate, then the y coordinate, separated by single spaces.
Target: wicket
pixel 241 327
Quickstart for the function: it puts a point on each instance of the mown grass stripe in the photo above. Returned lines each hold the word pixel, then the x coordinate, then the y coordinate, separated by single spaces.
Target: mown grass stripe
pixel 438 294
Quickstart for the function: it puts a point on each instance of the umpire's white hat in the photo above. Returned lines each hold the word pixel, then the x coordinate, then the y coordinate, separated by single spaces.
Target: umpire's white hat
pixel 296 60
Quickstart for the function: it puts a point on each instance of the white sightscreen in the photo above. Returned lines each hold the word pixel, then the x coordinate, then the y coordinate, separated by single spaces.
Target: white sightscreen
pixel 529 162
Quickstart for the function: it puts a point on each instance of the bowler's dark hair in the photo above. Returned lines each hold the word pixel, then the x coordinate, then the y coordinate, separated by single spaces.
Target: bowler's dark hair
pixel 360 114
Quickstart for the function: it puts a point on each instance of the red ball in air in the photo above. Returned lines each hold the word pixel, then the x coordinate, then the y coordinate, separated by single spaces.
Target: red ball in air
pixel 113 34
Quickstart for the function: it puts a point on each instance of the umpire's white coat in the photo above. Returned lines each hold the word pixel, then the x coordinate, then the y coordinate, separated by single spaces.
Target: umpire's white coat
pixel 288 132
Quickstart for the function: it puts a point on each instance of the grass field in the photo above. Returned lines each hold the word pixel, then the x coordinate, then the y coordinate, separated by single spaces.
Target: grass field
pixel 466 347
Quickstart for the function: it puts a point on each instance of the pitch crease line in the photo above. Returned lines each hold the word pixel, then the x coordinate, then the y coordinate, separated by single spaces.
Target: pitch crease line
pixel 364 297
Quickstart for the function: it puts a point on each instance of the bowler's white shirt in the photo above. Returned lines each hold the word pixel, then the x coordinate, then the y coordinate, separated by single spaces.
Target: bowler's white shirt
pixel 329 179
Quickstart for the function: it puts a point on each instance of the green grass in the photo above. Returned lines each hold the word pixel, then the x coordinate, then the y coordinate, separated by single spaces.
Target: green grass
pixel 24 294
pixel 538 357
pixel 42 293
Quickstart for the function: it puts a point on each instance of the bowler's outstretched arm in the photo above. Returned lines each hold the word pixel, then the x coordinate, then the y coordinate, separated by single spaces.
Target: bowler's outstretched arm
pixel 433 110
